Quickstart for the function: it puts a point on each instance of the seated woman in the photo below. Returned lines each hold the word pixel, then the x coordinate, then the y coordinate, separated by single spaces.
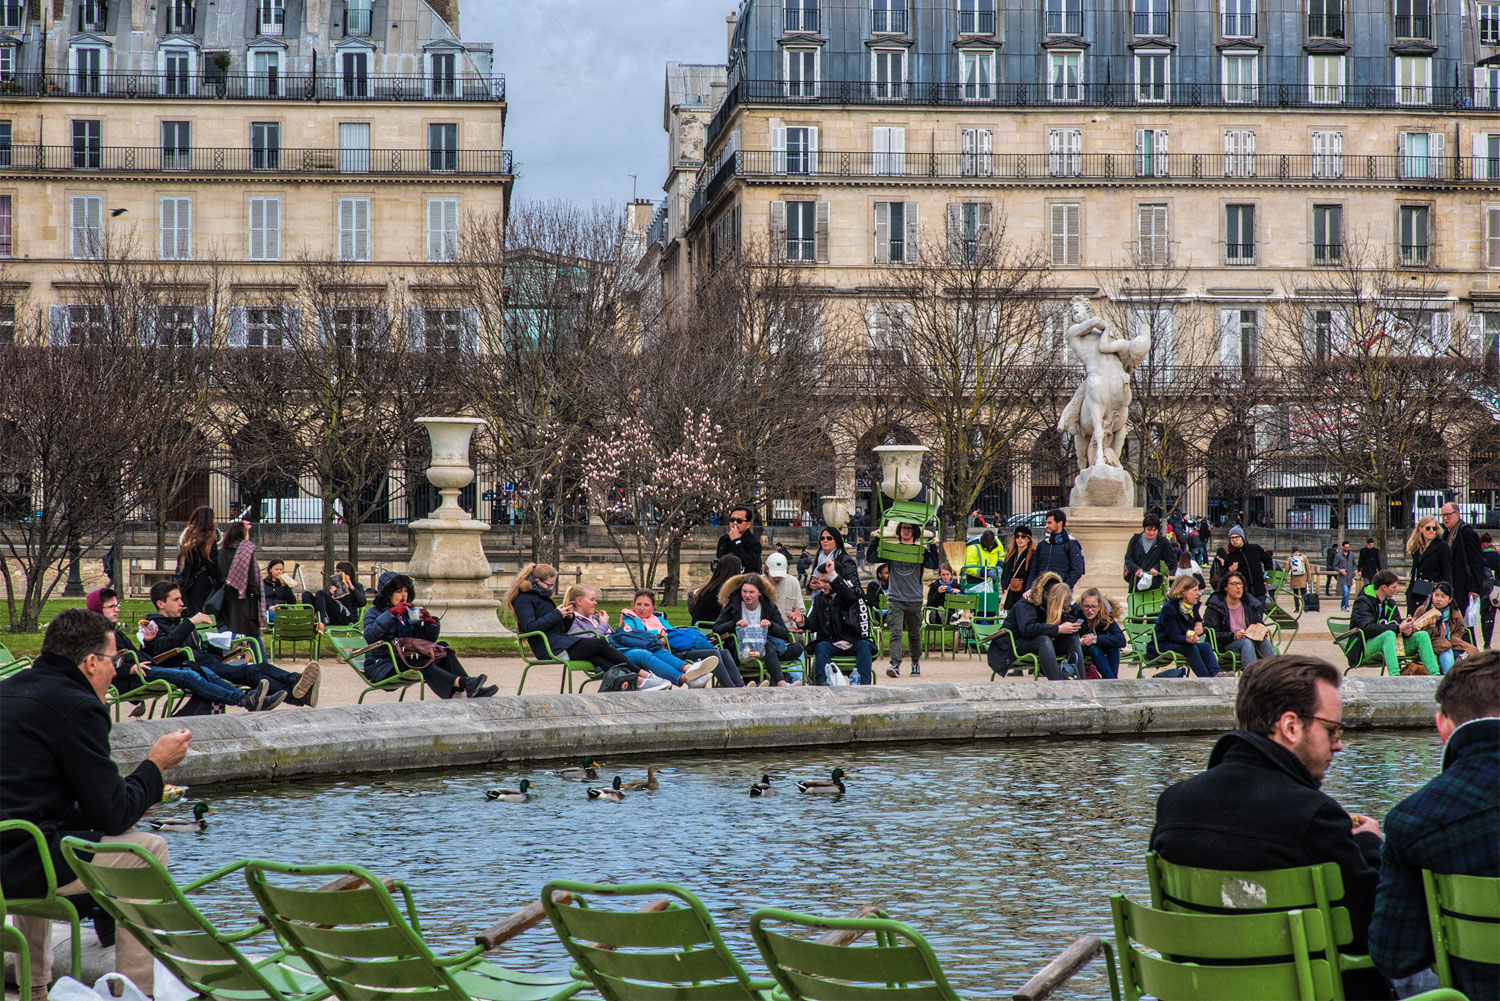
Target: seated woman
pixel 591 620
pixel 392 616
pixel 1179 628
pixel 1042 626
pixel 531 599
pixel 748 600
pixel 338 605
pixel 276 585
pixel 1231 613
pixel 1100 637
pixel 642 617
pixel 1449 632
pixel 703 604
pixel 937 596
pixel 1188 567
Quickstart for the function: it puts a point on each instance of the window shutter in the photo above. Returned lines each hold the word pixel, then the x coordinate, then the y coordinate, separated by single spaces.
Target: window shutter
pixel 812 151
pixel 291 327
pixel 898 151
pixel 435 230
pixel 986 152
pixel 1481 156
pixel 1229 338
pixel 1140 150
pixel 1160 160
pixel 168 228
pixel 416 330
pixel 970 142
pixel 1054 151
pixel 778 230
pixel 955 232
pixel 913 233
pixel 203 325
pixel 1401 168
pixel 1492 238
pixel 822 233
pixel 1436 167
pixel 882 232
pixel 57 326
pixel 238 334
pixel 986 215
pixel 778 146
pixel 1442 333
pixel 1474 338
pixel 468 330
pixel 258 229
pixel 880 144
pixel 346 229
pixel 362 229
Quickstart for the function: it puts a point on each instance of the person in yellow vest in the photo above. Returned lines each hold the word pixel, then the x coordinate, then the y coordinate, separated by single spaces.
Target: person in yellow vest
pixel 986 553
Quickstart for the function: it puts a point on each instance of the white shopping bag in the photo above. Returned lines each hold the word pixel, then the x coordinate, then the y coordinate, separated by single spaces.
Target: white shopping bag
pixel 836 677
pixel 110 987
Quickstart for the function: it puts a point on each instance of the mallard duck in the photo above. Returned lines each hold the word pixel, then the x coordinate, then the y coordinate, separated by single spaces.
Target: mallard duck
pixel 835 787
pixel 763 787
pixel 648 785
pixel 588 770
pixel 520 795
pixel 613 793
pixel 197 823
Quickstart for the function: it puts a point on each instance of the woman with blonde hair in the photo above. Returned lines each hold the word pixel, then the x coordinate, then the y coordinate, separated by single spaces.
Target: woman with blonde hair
pixel 659 668
pixel 748 601
pixel 1101 637
pixel 531 598
pixel 1180 629
pixel 198 574
pixel 1431 562
pixel 1044 625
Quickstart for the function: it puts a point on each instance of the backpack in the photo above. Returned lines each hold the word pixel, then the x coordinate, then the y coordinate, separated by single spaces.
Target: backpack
pixel 1299 566
pixel 619 679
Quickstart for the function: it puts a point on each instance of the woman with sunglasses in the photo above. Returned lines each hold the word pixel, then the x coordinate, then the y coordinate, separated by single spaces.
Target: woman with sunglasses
pixel 831 547
pixel 1431 562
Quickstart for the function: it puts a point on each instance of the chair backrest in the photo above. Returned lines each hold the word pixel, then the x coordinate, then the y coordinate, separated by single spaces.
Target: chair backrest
pixel 295 622
pixel 1254 957
pixel 357 941
pixel 1146 602
pixel 633 955
pixel 958 602
pixel 26 827
pixel 899 963
pixel 145 901
pixel 1462 912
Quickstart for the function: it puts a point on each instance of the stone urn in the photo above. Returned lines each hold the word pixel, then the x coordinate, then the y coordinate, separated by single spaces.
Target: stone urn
pixel 901 470
pixel 450 471
pixel 835 511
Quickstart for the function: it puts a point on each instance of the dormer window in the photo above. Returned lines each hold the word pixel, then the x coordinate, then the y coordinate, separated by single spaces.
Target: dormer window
pixel 1152 18
pixel 180 17
pixel 801 15
pixel 359 16
pixel 91 15
pixel 1064 17
pixel 1239 19
pixel 442 76
pixel 89 66
pixel 1413 19
pixel 889 17
pixel 270 17
pixel 976 17
pixel 12 15
pixel 1325 19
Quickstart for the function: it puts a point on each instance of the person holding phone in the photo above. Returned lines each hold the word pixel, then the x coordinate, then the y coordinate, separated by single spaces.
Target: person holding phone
pixel 340 604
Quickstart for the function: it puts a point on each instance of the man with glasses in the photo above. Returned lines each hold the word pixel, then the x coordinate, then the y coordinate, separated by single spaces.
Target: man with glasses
pixel 1471 578
pixel 1259 804
pixel 741 540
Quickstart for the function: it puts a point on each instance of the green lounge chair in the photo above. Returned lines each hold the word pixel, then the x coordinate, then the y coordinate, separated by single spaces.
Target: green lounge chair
pixel 1463 912
pixel 548 658
pixel 899 965
pixel 1007 638
pixel 674 953
pixel 363 947
pixel 352 648
pixel 11 940
pixel 49 904
pixel 1145 604
pixel 295 625
pixel 1229 660
pixel 149 904
pixel 1284 625
pixel 1142 637
pixel 1343 632
pixel 10 663
pixel 944 635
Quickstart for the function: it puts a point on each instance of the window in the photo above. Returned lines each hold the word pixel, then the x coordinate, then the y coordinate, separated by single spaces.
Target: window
pixel 354 229
pixel 1064 17
pixel 1239 234
pixel 976 17
pixel 1325 19
pixel 1067 233
pixel 270 16
pixel 1420 154
pixel 354 327
pixel 801 15
pixel 1065 75
pixel 176 229
pixel 8 323
pixel 88 144
pixel 1239 70
pixel 176 145
pixel 1151 234
pixel 1151 76
pixel 443 329
pixel 180 17
pixel 87 225
pixel 801 150
pixel 978 149
pixel 1239 153
pixel 86 325
pixel 1487 338
pixel 177 72
pixel 1487 86
pixel 176 326
pixel 1321 327
pixel 1328 154
pixel 265 73
pixel 1239 341
pixel 358 17
pixel 889 17
pixel 1151 18
pixel 265 229
pixel 265 145
pixel 12 15
pixel 266 327
pixel 354 67
pixel 1412 232
pixel 1413 79
pixel 442 146
pixel 1151 153
pixel 896 232
pixel 1413 19
pixel 977 70
pixel 890 151
pixel 88 69
pixel 354 147
pixel 1486 156
pixel 968 230
pixel 442 229
pixel 1489 24
pixel 7 248
pixel 6 135
pixel 442 74
pixel 801 69
pixel 1065 152
pixel 91 15
pixel 1325 79
pixel 1328 234
pixel 801 231
pixel 1239 18
pixel 888 73
pixel 7 62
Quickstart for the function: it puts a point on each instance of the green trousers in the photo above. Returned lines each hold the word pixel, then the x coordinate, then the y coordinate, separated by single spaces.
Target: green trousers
pixel 1385 645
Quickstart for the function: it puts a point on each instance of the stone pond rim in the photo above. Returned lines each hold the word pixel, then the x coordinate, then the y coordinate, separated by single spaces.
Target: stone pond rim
pixel 340 741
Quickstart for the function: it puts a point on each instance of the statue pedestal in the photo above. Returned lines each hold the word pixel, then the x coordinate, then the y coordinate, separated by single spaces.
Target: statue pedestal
pixel 1104 532
pixel 451 571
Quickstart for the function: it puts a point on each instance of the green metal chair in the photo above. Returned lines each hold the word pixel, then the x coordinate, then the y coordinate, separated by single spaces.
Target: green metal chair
pixel 550 659
pixel 10 663
pixel 148 903
pixel 1229 660
pixel 1142 637
pixel 11 940
pixel 941 635
pixel 294 625
pixel 899 965
pixel 149 694
pixel 1285 626
pixel 363 947
pixel 1145 604
pixel 351 649
pixel 1343 632
pixel 49 905
pixel 1018 659
pixel 675 953
pixel 1462 912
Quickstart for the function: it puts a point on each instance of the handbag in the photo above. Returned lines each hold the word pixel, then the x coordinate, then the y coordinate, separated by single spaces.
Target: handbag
pixel 416 653
pixel 214 603
pixel 1421 588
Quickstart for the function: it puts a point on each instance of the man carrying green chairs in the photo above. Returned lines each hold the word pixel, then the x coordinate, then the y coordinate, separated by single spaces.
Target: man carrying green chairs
pixel 56 773
pixel 1450 826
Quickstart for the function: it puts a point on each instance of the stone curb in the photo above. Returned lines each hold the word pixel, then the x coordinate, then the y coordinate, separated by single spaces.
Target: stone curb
pixel 343 740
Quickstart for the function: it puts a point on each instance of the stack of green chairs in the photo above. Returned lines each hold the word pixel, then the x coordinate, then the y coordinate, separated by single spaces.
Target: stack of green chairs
pixel 295 625
pixel 900 963
pixel 1463 913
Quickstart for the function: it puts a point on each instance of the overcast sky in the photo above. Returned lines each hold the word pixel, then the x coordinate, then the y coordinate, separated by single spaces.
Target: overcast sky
pixel 584 81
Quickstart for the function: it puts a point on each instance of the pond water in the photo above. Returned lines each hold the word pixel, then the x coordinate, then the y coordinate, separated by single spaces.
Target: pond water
pixel 1000 853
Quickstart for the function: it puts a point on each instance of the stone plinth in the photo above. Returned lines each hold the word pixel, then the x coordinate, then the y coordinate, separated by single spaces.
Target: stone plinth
pixel 1104 532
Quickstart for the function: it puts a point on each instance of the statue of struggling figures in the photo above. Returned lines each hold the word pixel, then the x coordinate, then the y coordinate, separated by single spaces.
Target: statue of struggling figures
pixel 1098 414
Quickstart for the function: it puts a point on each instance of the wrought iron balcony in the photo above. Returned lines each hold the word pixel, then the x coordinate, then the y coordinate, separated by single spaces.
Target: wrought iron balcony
pixel 329 161
pixel 1413 26
pixel 1064 22
pixel 976 22
pixel 1325 26
pixel 889 21
pixel 797 19
pixel 1152 24
pixel 256 87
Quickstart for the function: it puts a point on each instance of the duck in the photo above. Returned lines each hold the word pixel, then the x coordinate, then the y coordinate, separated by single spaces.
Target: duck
pixel 763 787
pixel 197 823
pixel 613 793
pixel 520 795
pixel 588 770
pixel 648 785
pixel 832 786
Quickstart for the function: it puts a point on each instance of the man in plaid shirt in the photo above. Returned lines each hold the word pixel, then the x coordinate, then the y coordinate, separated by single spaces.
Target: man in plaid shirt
pixel 1450 825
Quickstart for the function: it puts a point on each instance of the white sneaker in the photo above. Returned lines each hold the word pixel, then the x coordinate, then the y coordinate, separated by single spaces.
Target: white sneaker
pixel 700 670
pixel 653 682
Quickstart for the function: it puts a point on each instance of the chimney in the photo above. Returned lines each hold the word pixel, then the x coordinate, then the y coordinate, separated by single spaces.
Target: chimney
pixel 639 213
pixel 731 21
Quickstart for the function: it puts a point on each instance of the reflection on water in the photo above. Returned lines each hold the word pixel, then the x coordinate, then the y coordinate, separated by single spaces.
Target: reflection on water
pixel 1001 853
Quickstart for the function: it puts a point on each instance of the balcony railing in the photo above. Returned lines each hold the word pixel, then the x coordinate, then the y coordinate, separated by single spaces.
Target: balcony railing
pixel 1325 26
pixel 656 232
pixel 976 22
pixel 1152 24
pixel 1060 22
pixel 357 22
pixel 1239 253
pixel 1328 253
pixel 797 19
pixel 889 21
pixel 1415 255
pixel 1413 26
pixel 249 86
pixel 273 25
pixel 220 160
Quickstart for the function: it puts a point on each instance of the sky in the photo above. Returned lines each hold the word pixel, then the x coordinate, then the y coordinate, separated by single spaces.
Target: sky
pixel 584 83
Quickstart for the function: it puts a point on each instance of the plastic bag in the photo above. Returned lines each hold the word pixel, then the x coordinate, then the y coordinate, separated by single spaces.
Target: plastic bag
pixel 1471 617
pixel 111 986
pixel 836 678
pixel 751 641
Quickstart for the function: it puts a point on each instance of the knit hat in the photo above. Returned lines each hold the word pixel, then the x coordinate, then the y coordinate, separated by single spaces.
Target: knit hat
pixel 1237 530
pixel 385 579
pixel 95 601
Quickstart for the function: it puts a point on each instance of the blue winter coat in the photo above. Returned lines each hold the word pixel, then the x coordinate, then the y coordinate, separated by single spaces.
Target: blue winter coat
pixel 1063 557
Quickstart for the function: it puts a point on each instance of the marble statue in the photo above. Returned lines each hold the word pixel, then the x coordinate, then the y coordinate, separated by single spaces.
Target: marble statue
pixel 1098 414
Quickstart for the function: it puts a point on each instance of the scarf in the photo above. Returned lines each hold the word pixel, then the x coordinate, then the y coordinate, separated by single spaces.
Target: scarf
pixel 541 588
pixel 1187 610
pixel 241 568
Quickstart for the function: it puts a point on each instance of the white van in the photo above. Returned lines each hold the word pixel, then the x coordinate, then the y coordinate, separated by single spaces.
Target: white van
pixel 297 511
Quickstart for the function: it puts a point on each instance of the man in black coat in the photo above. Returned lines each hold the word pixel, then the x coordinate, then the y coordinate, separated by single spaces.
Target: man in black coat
pixel 56 773
pixel 1258 805
pixel 1370 562
pixel 1471 578
pixel 1058 551
pixel 1147 552
pixel 741 540
pixel 1249 559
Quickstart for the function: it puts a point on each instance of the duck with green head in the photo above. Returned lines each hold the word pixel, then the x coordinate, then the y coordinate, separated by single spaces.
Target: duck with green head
pixel 520 795
pixel 588 770
pixel 195 823
pixel 613 794
pixel 832 786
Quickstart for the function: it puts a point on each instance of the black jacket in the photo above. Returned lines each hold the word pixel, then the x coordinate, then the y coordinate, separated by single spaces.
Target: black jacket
pixel 277 593
pixel 534 614
pixel 1172 625
pixel 746 547
pixel 172 634
pixel 1373 616
pixel 1469 572
pixel 198 579
pixel 1019 566
pixel 1256 807
pixel 1216 616
pixel 241 611
pixel 1370 562
pixel 1434 564
pixel 1140 555
pixel 1250 560
pixel 383 626
pixel 840 615
pixel 1028 621
pixel 56 771
pixel 1062 555
pixel 705 607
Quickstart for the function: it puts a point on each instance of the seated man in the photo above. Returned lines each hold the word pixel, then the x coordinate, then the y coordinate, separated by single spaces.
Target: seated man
pixel 1450 825
pixel 841 621
pixel 173 632
pixel 206 687
pixel 1377 615
pixel 56 773
pixel 1258 805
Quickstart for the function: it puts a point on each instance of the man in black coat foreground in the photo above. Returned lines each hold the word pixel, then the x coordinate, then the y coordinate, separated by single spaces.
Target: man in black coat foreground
pixel 1258 805
pixel 56 773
